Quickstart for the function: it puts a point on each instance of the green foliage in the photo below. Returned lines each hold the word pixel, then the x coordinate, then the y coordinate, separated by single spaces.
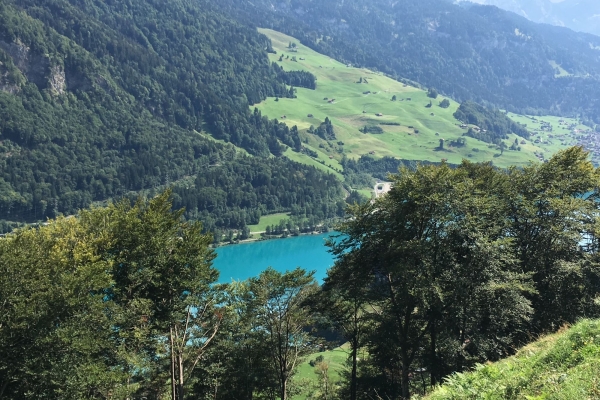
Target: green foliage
pixel 371 129
pixel 235 194
pixel 445 103
pixel 325 131
pixel 277 301
pixel 492 125
pixel 98 296
pixel 560 366
pixel 296 78
pixel 460 265
pixel 261 338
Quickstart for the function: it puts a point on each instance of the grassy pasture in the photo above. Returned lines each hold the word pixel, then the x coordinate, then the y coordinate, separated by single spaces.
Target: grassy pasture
pixel 354 108
pixel 268 220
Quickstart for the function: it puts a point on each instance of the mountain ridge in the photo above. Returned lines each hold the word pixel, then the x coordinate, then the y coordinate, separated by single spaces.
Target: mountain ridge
pixel 481 53
pixel 578 15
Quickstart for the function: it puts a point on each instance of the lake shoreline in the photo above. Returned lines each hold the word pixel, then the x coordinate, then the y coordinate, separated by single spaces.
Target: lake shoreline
pixel 264 239
pixel 306 251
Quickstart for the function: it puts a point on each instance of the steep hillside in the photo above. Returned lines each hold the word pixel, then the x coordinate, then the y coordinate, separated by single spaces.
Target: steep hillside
pixel 478 53
pixel 560 366
pixel 579 15
pixel 375 116
pixel 98 99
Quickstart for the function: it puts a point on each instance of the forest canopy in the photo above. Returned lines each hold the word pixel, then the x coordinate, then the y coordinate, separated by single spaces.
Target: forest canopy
pixel 453 267
pixel 102 100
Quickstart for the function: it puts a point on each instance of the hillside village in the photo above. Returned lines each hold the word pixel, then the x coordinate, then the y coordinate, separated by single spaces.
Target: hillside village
pixel 564 132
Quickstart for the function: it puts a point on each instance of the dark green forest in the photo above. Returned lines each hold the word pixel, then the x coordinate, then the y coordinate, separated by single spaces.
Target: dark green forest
pixel 101 100
pixel 454 267
pixel 476 53
pixel 494 125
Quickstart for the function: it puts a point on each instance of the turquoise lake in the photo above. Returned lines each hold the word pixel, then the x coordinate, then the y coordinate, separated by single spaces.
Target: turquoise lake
pixel 242 261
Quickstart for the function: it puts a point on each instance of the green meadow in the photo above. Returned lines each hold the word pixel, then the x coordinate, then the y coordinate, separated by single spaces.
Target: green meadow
pixel 306 376
pixel 268 220
pixel 416 129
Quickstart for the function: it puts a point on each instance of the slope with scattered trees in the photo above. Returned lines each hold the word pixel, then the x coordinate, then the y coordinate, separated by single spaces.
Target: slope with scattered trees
pixel 477 53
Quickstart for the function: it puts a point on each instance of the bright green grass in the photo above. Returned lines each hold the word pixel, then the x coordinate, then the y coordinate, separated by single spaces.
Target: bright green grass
pixel 267 220
pixel 337 363
pixel 561 71
pixel 352 110
pixel 562 366
pixel 366 192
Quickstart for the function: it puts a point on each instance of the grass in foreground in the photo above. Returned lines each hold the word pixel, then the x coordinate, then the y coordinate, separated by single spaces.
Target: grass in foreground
pixel 563 366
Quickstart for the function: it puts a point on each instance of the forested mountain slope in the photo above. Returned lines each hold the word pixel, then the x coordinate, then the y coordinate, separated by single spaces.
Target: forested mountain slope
pixel 579 15
pixel 98 99
pixel 479 53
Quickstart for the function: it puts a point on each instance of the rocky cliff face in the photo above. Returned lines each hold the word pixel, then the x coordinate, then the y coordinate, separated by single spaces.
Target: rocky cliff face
pixel 36 68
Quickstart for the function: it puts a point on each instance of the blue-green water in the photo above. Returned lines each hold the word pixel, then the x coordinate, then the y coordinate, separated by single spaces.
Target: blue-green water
pixel 242 261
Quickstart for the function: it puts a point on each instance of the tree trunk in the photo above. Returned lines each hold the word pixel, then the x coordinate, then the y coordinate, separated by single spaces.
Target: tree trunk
pixel 405 376
pixel 180 384
pixel 173 387
pixel 3 388
pixel 353 378
pixel 460 358
pixel 433 364
pixel 283 388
